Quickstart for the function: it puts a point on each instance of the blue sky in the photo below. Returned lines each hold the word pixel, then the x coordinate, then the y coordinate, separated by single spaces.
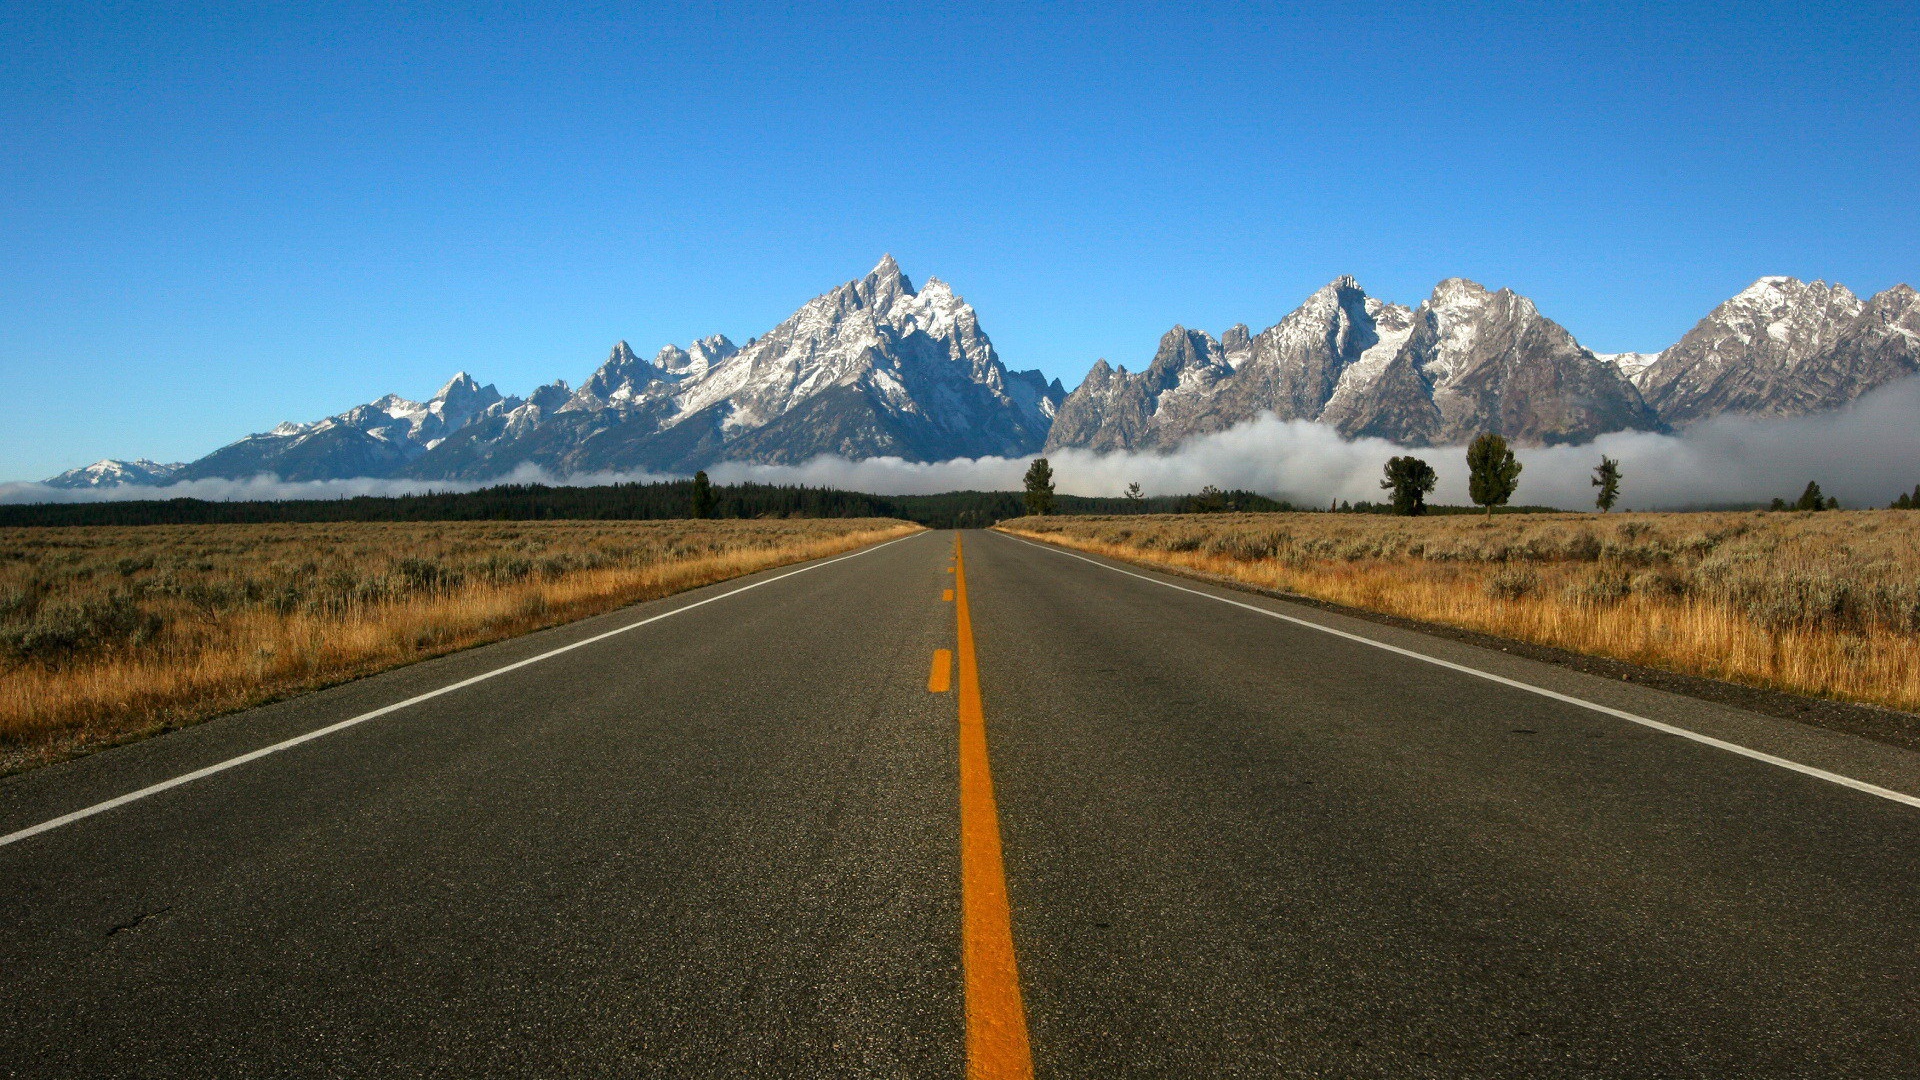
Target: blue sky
pixel 215 219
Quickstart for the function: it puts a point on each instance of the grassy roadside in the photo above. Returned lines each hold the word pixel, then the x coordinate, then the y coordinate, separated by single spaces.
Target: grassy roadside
pixel 114 633
pixel 1823 605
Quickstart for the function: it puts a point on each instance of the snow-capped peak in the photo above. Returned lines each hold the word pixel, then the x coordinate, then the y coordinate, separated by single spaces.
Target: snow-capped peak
pixel 113 472
pixel 461 383
pixel 1458 293
pixel 884 286
pixel 1631 364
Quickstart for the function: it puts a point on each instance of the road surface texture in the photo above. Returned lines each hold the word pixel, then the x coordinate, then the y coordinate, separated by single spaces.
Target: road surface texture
pixel 752 838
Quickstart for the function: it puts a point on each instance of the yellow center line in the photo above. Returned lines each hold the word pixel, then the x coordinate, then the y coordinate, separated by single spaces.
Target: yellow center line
pixel 997 1047
pixel 946 594
pixel 941 677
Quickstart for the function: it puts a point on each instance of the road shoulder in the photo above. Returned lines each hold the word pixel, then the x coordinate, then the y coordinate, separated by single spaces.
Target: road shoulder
pixel 1877 746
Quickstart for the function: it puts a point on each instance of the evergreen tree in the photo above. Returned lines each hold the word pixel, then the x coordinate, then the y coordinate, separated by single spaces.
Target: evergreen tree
pixel 1134 494
pixel 1492 472
pixel 1410 479
pixel 1606 477
pixel 1211 500
pixel 1904 502
pixel 1039 488
pixel 1811 499
pixel 703 499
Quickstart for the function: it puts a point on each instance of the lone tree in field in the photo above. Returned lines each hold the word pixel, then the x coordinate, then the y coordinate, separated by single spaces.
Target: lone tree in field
pixel 1039 488
pixel 1811 499
pixel 702 495
pixel 1409 479
pixel 1492 472
pixel 1134 494
pixel 1606 477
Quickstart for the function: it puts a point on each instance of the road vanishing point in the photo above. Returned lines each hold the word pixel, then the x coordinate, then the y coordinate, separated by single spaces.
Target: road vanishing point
pixel 965 805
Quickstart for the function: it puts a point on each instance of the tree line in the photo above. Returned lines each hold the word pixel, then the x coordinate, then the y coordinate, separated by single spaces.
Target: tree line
pixel 1493 478
pixel 695 497
pixel 1493 474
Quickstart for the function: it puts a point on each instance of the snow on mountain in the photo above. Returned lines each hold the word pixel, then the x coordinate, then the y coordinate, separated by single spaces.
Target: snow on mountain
pixel 1494 363
pixel 1784 347
pixel 1468 360
pixel 113 472
pixel 876 367
pixel 873 367
pixel 373 439
pixel 1631 364
pixel 1392 326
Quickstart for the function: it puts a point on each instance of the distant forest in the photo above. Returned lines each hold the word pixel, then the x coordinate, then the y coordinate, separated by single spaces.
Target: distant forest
pixel 640 502
pixel 653 502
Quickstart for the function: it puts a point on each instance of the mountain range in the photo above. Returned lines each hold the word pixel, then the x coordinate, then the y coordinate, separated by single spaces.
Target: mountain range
pixel 878 368
pixel 1468 360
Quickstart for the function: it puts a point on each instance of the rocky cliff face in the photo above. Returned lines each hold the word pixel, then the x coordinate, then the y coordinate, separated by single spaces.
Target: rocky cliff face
pixel 375 439
pixel 1496 364
pixel 1466 361
pixel 877 367
pixel 874 367
pixel 1784 347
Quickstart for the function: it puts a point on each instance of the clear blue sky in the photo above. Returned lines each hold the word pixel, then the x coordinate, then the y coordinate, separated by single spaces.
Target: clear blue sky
pixel 213 220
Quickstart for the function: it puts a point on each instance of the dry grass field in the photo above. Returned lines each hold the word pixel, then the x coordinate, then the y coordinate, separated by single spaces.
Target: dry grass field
pixel 1823 604
pixel 112 633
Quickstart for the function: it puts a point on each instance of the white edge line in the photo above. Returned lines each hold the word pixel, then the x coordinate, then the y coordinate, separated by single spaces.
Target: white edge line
pixel 197 774
pixel 1722 744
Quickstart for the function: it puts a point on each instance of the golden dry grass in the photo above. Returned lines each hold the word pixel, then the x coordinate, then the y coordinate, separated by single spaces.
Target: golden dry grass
pixel 112 633
pixel 1823 604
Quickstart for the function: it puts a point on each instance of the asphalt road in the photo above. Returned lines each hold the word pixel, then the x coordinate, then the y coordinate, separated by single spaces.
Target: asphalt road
pixel 728 843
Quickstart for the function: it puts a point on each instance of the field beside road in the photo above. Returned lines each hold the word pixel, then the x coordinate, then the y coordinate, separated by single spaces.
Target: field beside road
pixel 115 632
pixel 1821 604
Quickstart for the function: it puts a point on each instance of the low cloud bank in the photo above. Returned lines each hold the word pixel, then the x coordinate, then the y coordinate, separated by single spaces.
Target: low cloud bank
pixel 1866 453
pixel 259 488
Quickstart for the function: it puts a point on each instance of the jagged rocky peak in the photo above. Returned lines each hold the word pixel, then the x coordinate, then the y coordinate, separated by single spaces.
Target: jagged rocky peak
pixel 1778 319
pixel 884 284
pixel 1893 314
pixel 696 359
pixel 1339 313
pixel 1765 351
pixel 1237 343
pixel 1467 360
pixel 1458 292
pixel 463 398
pixel 551 396
pixel 1453 317
pixel 1388 316
pixel 622 381
pixel 460 386
pixel 871 367
pixel 1337 338
pixel 1185 354
pixel 876 367
pixel 1496 364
